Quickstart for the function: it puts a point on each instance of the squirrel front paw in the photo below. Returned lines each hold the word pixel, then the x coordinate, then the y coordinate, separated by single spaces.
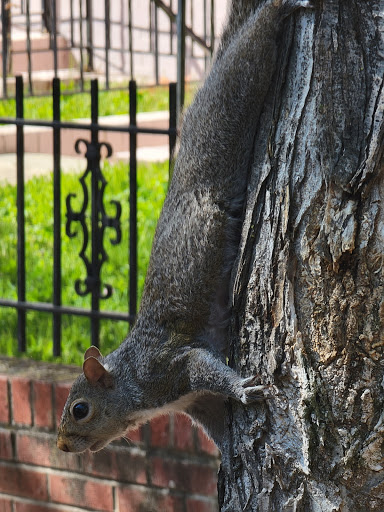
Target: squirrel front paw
pixel 252 392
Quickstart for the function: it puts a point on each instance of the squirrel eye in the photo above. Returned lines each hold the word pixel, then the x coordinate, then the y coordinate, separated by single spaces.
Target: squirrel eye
pixel 80 410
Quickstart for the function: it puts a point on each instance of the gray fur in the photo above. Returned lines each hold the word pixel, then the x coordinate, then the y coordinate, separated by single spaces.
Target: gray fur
pixel 173 358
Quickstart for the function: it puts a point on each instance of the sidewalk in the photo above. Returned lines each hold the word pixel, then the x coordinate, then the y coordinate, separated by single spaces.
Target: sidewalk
pixel 37 164
pixel 38 158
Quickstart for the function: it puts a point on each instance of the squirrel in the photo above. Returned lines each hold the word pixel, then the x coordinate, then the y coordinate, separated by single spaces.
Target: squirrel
pixel 174 357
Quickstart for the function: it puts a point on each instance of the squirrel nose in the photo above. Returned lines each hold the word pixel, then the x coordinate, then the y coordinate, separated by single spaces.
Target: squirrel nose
pixel 62 445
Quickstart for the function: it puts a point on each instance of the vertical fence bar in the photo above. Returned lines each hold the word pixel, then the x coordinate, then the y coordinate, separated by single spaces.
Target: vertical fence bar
pixel 107 41
pixel 28 21
pixel 21 325
pixel 4 35
pixel 205 33
pixel 212 26
pixel 54 40
pixel 72 24
pixel 180 55
pixel 156 27
pixel 192 27
pixel 56 219
pixel 95 322
pixel 89 15
pixel 150 28
pixel 132 201
pixel 81 46
pixel 130 39
pixel 171 30
pixel 172 126
pixel 122 36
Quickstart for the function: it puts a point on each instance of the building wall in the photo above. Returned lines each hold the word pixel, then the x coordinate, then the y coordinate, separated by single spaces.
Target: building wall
pixel 168 465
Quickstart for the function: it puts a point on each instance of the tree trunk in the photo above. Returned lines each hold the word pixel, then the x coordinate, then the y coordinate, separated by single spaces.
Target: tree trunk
pixel 308 288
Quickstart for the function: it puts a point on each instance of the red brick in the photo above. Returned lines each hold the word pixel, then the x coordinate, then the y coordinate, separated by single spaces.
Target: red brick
pixel 136 436
pixel 183 433
pixel 32 449
pixel 23 482
pixel 79 492
pixel 206 445
pixel 160 431
pixel 4 404
pixel 184 476
pixel 196 505
pixel 134 499
pixel 61 395
pixel 42 404
pixel 117 463
pixel 5 505
pixel 29 507
pixel 40 449
pixel 6 450
pixel 21 401
pixel 131 467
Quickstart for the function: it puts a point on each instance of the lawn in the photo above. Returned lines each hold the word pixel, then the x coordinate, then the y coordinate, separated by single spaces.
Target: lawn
pixel 152 185
pixel 78 105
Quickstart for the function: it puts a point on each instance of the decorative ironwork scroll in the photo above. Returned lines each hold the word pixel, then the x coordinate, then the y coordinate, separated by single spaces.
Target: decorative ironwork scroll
pixel 100 221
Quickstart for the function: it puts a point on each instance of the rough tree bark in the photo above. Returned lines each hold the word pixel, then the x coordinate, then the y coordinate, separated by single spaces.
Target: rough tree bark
pixel 308 293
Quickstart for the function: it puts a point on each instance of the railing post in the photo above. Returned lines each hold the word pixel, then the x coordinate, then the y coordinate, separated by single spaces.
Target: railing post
pixel 130 39
pixel 95 289
pixel 56 219
pixel 156 35
pixel 212 46
pixel 132 202
pixel 21 295
pixel 180 21
pixel 81 45
pixel 89 15
pixel 54 36
pixel 172 127
pixel 107 40
pixel 29 55
pixel 5 32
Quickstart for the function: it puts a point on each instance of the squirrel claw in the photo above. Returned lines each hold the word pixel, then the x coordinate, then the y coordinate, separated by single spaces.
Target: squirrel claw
pixel 252 392
pixel 249 381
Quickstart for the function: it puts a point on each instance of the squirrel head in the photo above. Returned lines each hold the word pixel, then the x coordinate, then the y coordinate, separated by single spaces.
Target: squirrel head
pixel 95 412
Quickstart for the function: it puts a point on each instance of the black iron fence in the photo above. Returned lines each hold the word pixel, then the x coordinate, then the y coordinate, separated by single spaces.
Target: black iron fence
pixel 107 38
pixel 93 232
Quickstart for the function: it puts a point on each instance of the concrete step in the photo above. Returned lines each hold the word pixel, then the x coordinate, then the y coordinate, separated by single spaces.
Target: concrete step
pixel 42 80
pixel 41 53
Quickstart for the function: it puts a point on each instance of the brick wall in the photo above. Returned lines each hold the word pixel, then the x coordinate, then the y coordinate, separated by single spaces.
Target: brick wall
pixel 169 465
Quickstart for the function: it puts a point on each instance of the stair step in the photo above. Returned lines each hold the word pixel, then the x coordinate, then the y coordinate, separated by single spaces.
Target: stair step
pixel 41 53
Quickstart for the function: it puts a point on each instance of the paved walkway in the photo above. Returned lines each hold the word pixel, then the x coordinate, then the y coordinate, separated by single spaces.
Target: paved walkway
pixel 150 148
pixel 37 164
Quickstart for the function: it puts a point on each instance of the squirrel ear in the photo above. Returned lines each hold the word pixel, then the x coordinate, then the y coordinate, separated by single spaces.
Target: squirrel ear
pixel 92 352
pixel 95 373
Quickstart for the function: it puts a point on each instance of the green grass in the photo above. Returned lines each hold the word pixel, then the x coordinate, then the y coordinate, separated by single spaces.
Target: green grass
pixel 152 185
pixel 78 105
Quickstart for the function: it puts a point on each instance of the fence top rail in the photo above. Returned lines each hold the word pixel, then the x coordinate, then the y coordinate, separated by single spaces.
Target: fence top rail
pixel 95 127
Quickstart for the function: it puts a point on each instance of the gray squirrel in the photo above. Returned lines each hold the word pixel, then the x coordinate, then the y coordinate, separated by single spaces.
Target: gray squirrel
pixel 174 357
